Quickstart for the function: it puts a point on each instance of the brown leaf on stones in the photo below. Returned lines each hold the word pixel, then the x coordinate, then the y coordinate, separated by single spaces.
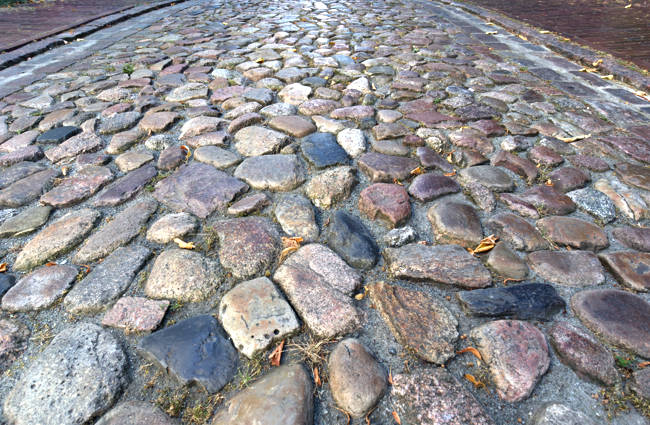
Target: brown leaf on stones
pixel 476 382
pixel 574 139
pixel 398 182
pixel 396 417
pixel 184 245
pixel 417 171
pixel 390 376
pixel 276 355
pixel 471 350
pixel 453 173
pixel 347 415
pixel 187 151
pixel 644 365
pixel 290 245
pixel 3 267
pixel 317 380
pixel 485 245
pixel 50 264
pixel 361 295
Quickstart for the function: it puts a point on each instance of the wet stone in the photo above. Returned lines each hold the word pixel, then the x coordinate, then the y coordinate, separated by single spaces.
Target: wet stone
pixel 386 168
pixel 633 237
pixel 506 263
pixel 619 317
pixel 548 200
pixel 296 216
pixel 631 268
pixel 530 301
pixel 40 289
pixel 123 227
pixel 356 379
pixel 272 172
pixel 595 203
pixel 135 413
pixel 418 322
pixel 516 231
pixel 388 202
pixel 516 353
pixel 27 189
pixel 352 240
pixel 58 135
pixel 79 187
pixel 125 187
pixel 491 177
pixel 573 232
pixel 194 350
pixel 199 189
pixel 583 353
pixel 57 238
pixel 247 245
pixel 14 337
pixel 284 395
pixel 455 223
pixel 79 375
pixel 446 264
pixel 569 268
pixel 107 281
pixel 217 157
pixel 559 414
pixel 81 143
pixel 432 396
pixel 321 150
pixel 255 314
pixel 318 284
pixel 25 222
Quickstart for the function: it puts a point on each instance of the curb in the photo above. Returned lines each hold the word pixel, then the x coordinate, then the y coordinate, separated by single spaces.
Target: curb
pixel 583 55
pixel 25 50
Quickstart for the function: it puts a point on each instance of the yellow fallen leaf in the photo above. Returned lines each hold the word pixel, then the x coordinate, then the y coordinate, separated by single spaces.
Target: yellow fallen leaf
pixel 398 182
pixel 476 382
pixel 598 62
pixel 417 171
pixel 259 60
pixel 628 6
pixel 453 173
pixel 485 245
pixel 396 417
pixel 587 70
pixel 290 245
pixel 607 77
pixel 574 138
pixel 522 37
pixel 188 152
pixel 544 32
pixel 3 267
pixel 183 245
pixel 317 380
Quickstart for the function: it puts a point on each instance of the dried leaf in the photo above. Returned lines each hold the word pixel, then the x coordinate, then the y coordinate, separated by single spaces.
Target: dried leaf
pixel 644 364
pixel 450 157
pixel 574 138
pixel 187 150
pixel 476 382
pixel 64 170
pixel 290 245
pixel 491 32
pixel 607 77
pixel 398 182
pixel 471 350
pixel 259 60
pixel 417 171
pixel 276 355
pixel 347 415
pixel 544 32
pixel 368 415
pixel 453 173
pixel 317 380
pixel 396 417
pixel 183 245
pixel 628 6
pixel 548 182
pixel 86 268
pixel 3 267
pixel 50 264
pixel 509 279
pixel 390 376
pixel 598 62
pixel 485 245
pixel 522 37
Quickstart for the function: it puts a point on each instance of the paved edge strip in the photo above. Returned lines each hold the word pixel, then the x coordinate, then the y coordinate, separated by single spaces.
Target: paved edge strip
pixel 581 54
pixel 27 50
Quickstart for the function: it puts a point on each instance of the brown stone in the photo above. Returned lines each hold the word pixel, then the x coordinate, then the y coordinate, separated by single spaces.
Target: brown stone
pixel 570 268
pixel 633 237
pixel 158 121
pixel 506 263
pixel 567 179
pixel 455 223
pixel 573 232
pixel 548 200
pixel 79 187
pixel 545 156
pixel 516 164
pixel 293 125
pixel 631 269
pixel 635 175
pixel 388 202
pixel 386 168
pixel 516 231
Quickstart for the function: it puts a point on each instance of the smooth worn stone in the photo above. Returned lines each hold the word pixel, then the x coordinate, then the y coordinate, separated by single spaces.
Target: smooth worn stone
pixel 158 121
pixel 119 122
pixel 491 177
pixel 348 237
pixel 107 281
pixel 247 245
pixel 429 158
pixel 589 162
pixel 385 131
pixel 77 376
pixel 427 187
pixel 570 268
pixel 318 284
pixel 213 138
pixel 447 264
pixel 217 157
pixel 123 227
pixel 296 216
pixel 517 232
pixel 58 134
pixel 278 173
pixel 516 164
pixel 39 289
pixel 124 188
pixel 331 187
pixel 19 141
pixel 386 168
pixel 194 350
pixel 352 140
pixel 82 185
pixel 283 396
pixel 432 396
pixel 641 383
pixel 19 171
pixel 455 223
pixel 321 150
pixel 25 222
pixel 27 189
pixel 200 125
pixel 81 143
pixel 294 94
pixel 631 268
pixel 528 301
pixel 255 315
pixel 187 92
pixel 245 120
pixel 355 113
pixel 170 158
pixel 98 158
pixel 171 226
pixel 124 140
pixel 182 275
pixel 635 175
pixel 559 414
pixel 259 95
pixel 595 203
pixel 544 156
pixel 619 317
pixel 419 322
pixel 567 179
pixel 573 232
pixel 29 153
pixel 255 141
pixel 388 202
pixel 356 379
pixel 516 353
pixel 135 413
pixel 57 238
pixel 249 204
pixel 131 160
pixel 632 237
pixel 293 125
pixel 583 353
pixel 506 263
pixel 318 107
pixel 547 200
pixel 199 189
pixel 14 338
pixel 136 314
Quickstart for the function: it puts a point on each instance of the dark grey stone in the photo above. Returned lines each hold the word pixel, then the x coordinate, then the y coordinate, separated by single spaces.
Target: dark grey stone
pixel 321 150
pixel 58 134
pixel 352 240
pixel 6 282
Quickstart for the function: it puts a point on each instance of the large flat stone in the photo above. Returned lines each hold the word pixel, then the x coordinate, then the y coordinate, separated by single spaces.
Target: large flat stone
pixel 516 231
pixel 79 187
pixel 352 240
pixel 272 172
pixel 455 223
pixel 386 168
pixel 387 202
pixel 135 413
pixel 321 150
pixel 573 232
pixel 256 140
pixel 570 268
pixel 81 143
pixel 124 188
pixel 39 289
pixel 27 189
pixel 631 268
pixel 25 222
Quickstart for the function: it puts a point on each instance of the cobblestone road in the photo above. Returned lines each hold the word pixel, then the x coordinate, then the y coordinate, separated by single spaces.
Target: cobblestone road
pixel 280 212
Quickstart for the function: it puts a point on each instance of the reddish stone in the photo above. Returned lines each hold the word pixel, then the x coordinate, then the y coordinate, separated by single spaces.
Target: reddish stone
pixel 635 148
pixel 429 158
pixel 386 168
pixel 518 205
pixel 389 202
pixel 158 121
pixel 573 232
pixel 353 112
pixel 517 232
pixel 631 268
pixel 567 179
pixel 516 164
pixel 136 314
pixel 589 162
pixel 488 127
pixel 633 237
pixel 544 156
pixel 635 175
pixel 225 93
pixel 456 223
pixel 548 200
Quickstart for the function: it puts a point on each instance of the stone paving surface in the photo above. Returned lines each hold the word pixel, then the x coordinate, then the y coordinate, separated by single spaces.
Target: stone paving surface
pixel 280 212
